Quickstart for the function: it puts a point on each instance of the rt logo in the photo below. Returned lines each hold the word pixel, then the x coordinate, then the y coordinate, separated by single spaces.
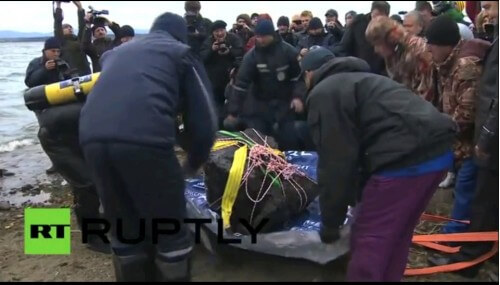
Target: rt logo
pixel 47 231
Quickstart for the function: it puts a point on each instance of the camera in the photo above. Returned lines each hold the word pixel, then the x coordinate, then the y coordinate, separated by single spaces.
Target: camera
pixel 96 13
pixel 61 65
pixel 191 29
pixel 192 23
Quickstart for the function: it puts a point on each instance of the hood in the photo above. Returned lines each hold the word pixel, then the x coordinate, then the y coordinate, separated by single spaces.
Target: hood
pixel 475 47
pixel 173 24
pixel 340 65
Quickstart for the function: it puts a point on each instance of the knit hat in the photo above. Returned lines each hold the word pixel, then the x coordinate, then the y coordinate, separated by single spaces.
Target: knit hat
pixel 127 31
pixel 219 24
pixel 315 23
pixel 332 13
pixel 265 16
pixel 96 26
pixel 315 58
pixel 283 21
pixel 264 28
pixel 443 31
pixel 174 24
pixel 192 6
pixel 245 17
pixel 52 43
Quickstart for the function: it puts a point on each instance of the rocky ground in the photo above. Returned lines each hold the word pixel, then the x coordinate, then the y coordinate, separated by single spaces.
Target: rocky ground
pixel 26 184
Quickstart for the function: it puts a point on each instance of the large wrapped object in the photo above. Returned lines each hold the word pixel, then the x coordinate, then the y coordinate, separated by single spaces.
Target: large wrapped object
pixel 247 178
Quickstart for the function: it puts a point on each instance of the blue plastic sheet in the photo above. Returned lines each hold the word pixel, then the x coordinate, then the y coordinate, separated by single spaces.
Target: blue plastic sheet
pixel 299 237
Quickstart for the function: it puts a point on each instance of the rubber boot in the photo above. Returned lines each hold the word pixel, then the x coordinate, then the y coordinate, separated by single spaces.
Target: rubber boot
pixel 173 270
pixel 132 268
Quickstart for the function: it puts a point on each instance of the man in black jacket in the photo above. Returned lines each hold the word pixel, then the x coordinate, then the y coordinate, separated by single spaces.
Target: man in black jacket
pixel 243 28
pixel 373 134
pixel 333 25
pixel 96 27
pixel 128 133
pixel 284 31
pixel 221 53
pixel 484 208
pixel 72 50
pixel 316 36
pixel 58 136
pixel 270 70
pixel 354 42
pixel 198 27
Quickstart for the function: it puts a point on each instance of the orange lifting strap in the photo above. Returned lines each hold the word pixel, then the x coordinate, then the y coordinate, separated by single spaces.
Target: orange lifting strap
pixel 430 241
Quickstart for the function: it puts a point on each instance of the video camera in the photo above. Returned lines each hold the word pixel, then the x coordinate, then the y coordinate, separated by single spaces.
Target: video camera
pixel 96 20
pixel 192 23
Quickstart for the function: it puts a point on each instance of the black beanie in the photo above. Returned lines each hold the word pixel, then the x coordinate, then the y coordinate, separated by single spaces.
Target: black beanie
pixel 443 31
pixel 315 58
pixel 172 23
pixel 315 23
pixel 264 28
pixel 52 43
pixel 95 26
pixel 283 21
pixel 127 31
pixel 218 25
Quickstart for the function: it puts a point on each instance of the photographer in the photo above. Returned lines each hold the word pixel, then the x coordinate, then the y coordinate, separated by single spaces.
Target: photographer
pixel 58 135
pixel 333 25
pixel 96 27
pixel 71 49
pixel 242 28
pixel 49 68
pixel 198 27
pixel 220 53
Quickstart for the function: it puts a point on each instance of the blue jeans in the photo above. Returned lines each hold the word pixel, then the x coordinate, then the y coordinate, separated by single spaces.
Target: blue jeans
pixel 465 186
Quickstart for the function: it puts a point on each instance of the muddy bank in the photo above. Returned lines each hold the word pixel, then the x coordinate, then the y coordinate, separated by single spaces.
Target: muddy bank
pixel 31 186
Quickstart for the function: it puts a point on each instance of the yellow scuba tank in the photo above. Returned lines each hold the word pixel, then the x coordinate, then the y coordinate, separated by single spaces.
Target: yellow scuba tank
pixel 60 93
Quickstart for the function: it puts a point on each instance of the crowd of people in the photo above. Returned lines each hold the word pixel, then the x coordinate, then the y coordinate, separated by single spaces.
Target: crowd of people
pixel 395 108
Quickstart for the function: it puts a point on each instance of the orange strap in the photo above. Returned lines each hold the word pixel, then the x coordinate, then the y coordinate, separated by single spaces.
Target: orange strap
pixel 430 241
pixel 439 247
pixel 452 267
pixel 433 218
pixel 458 237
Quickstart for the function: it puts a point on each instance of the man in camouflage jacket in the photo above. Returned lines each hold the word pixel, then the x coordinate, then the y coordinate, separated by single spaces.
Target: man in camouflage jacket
pixel 457 73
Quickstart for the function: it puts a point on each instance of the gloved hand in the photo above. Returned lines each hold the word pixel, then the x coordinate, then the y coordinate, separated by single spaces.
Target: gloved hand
pixel 329 235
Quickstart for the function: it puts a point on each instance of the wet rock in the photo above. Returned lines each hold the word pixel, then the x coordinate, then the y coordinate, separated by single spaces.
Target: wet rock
pixel 279 205
pixel 26 188
pixel 5 173
pixel 4 206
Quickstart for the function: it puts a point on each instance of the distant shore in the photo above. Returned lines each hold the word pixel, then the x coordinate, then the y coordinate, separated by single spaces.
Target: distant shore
pixel 23 40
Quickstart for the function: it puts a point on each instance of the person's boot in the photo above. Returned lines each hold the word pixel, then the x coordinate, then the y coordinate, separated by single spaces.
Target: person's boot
pixel 132 268
pixel 172 270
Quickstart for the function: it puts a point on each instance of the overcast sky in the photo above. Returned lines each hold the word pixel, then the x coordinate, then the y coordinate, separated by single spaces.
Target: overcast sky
pixel 36 16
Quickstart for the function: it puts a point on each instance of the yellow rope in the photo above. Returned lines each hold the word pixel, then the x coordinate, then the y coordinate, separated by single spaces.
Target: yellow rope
pixel 233 184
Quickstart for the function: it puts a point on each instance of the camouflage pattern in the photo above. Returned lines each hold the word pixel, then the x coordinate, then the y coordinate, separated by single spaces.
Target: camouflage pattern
pixel 458 79
pixel 411 66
